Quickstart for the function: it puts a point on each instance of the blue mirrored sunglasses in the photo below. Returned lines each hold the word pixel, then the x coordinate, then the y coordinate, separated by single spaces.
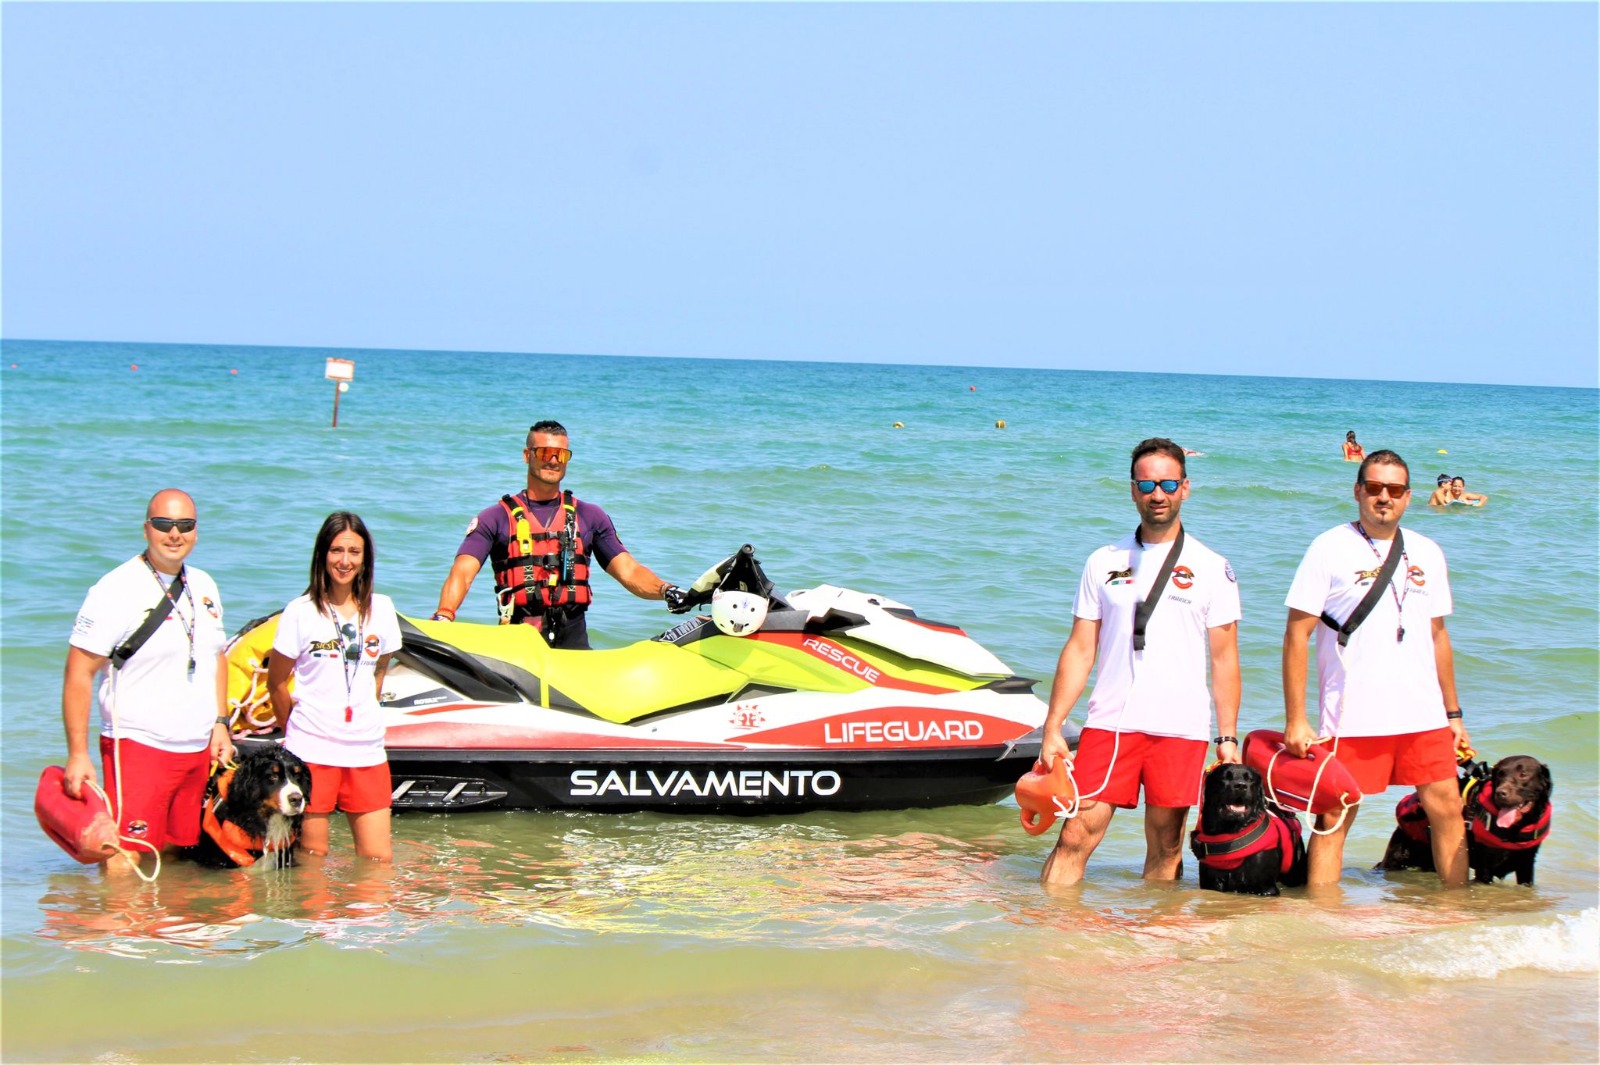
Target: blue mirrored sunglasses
pixel 1168 486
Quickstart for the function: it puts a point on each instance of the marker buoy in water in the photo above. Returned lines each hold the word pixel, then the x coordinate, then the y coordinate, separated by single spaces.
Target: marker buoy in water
pixel 135 366
pixel 1001 424
pixel 233 371
pixel 898 425
pixel 1044 794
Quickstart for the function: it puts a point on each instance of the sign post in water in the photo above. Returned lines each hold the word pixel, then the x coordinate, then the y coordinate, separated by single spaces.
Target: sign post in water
pixel 342 371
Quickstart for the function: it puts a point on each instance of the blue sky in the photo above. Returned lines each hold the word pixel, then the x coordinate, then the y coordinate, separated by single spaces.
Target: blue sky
pixel 1327 190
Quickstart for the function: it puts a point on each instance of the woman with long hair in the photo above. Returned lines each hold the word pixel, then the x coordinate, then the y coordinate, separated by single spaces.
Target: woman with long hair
pixel 335 642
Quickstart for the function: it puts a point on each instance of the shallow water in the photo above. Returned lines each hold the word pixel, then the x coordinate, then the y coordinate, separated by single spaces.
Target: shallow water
pixel 876 936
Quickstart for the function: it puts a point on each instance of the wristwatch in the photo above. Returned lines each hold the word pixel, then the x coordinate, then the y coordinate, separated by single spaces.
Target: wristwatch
pixel 1220 740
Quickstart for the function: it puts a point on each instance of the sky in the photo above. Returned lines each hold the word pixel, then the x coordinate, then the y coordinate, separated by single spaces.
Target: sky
pixel 1362 190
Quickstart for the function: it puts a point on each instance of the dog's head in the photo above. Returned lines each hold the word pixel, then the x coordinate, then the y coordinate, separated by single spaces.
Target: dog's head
pixel 1233 799
pixel 270 780
pixel 1521 787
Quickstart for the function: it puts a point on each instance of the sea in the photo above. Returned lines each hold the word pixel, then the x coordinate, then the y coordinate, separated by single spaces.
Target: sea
pixel 973 494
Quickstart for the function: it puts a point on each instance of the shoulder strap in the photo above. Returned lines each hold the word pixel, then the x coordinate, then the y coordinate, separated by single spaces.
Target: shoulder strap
pixel 152 621
pixel 1142 612
pixel 1363 608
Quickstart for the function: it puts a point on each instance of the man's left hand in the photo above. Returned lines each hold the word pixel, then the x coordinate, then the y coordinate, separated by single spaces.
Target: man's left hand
pixel 221 746
pixel 676 598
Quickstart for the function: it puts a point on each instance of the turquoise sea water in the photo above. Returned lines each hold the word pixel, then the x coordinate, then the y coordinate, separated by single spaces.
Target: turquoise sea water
pixel 884 936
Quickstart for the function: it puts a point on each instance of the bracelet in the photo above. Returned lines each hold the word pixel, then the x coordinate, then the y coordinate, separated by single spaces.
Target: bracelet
pixel 1220 740
pixel 224 720
pixel 444 614
pixel 1452 715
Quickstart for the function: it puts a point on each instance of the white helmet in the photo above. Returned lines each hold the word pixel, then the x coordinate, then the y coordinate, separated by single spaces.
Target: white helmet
pixel 738 613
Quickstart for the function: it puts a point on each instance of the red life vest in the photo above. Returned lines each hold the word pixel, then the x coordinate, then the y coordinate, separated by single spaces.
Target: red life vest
pixel 1519 837
pixel 1228 850
pixel 529 575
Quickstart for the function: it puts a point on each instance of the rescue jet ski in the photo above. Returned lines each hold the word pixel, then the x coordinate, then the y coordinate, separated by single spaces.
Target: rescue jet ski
pixel 826 698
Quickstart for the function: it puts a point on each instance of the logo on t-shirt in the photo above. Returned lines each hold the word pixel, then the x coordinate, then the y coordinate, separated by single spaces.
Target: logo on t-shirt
pixel 371 645
pixel 325 648
pixel 472 526
pixel 1364 575
pixel 1415 575
pixel 1227 571
pixel 1182 577
pixel 211 607
pixel 82 625
pixel 1119 576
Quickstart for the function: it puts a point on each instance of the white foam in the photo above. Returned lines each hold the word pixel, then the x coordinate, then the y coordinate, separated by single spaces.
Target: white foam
pixel 1563 943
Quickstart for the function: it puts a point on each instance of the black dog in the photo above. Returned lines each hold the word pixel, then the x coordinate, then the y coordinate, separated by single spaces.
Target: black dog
pixel 1244 843
pixel 1507 810
pixel 253 809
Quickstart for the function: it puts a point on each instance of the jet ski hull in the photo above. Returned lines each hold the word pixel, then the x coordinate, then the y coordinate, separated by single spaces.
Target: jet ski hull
pixel 741 782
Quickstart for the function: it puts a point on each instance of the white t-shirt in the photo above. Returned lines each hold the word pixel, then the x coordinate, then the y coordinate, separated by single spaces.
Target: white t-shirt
pixel 152 698
pixel 1380 686
pixel 336 719
pixel 1161 690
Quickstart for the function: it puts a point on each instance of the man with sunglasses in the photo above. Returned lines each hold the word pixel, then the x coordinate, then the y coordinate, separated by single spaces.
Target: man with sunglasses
pixel 539 543
pixel 1153 609
pixel 164 691
pixel 1386 687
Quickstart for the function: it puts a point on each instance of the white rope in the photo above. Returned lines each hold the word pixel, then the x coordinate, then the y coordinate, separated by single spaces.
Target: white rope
pixel 109 709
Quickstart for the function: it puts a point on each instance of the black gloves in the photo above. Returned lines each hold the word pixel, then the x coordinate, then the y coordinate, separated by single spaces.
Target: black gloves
pixel 676 598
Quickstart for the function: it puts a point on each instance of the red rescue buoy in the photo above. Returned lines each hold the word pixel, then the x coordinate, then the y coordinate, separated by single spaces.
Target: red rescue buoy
pixel 1292 779
pixel 84 828
pixel 1044 794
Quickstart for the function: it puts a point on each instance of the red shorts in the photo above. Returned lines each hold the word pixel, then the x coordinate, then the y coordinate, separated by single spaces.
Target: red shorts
pixel 1414 758
pixel 1169 768
pixel 162 792
pixel 353 789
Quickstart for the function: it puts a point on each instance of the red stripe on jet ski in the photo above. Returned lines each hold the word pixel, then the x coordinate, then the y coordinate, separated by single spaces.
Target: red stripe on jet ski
pixel 843 658
pixel 422 711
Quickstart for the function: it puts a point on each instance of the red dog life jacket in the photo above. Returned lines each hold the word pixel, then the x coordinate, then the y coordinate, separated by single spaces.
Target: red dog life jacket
pixel 1414 821
pixel 528 577
pixel 1229 850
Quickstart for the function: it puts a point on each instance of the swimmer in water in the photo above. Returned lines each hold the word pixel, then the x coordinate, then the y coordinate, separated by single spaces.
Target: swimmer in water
pixel 1459 496
pixel 1441 493
pixel 1353 452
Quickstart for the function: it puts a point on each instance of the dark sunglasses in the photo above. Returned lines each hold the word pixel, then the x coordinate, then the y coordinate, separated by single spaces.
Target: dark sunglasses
pixel 352 649
pixel 183 525
pixel 551 454
pixel 1377 488
pixel 1168 486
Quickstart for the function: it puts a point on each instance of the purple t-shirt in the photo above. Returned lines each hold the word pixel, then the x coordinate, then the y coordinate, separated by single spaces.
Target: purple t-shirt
pixel 492 529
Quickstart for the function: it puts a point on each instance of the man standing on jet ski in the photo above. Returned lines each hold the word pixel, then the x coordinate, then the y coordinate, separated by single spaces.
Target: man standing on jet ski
pixel 1152 608
pixel 540 542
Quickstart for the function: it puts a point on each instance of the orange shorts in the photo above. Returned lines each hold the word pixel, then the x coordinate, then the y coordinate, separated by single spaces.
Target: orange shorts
pixel 162 792
pixel 353 789
pixel 1413 758
pixel 1169 768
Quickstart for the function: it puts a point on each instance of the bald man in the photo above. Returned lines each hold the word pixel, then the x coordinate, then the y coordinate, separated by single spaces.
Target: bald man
pixel 151 629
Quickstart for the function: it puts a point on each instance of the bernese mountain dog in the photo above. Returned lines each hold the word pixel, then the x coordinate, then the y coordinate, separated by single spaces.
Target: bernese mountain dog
pixel 253 809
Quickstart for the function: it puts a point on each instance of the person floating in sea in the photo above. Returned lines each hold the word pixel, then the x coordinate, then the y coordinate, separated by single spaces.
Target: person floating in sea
pixel 1441 491
pixel 540 542
pixel 1152 609
pixel 1386 687
pixel 335 642
pixel 154 627
pixel 1353 451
